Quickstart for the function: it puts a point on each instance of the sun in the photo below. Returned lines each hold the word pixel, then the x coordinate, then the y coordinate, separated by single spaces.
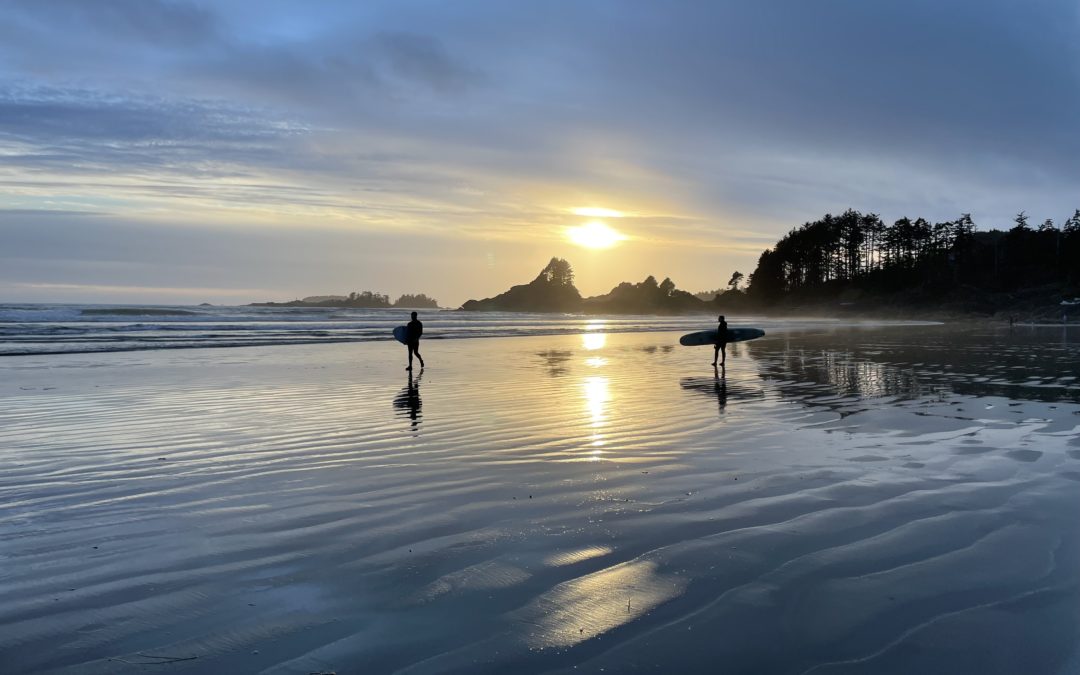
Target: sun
pixel 594 234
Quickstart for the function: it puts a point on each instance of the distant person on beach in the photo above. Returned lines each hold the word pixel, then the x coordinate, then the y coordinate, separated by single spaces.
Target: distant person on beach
pixel 413 330
pixel 720 350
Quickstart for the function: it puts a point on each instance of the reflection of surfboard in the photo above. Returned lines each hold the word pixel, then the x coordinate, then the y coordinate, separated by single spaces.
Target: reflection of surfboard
pixel 708 337
pixel 401 334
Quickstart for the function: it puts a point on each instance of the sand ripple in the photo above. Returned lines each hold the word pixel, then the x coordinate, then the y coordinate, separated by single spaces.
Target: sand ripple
pixel 837 503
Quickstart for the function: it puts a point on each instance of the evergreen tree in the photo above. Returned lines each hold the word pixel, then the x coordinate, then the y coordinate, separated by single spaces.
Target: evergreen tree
pixel 557 272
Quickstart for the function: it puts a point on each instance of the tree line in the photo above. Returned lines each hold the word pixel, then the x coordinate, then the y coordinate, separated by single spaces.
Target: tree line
pixel 862 251
pixel 369 299
pixel 359 300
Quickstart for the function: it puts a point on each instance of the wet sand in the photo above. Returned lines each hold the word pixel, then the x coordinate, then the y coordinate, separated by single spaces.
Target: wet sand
pixel 874 500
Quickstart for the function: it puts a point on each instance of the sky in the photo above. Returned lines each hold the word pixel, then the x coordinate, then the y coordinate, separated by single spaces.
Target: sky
pixel 228 152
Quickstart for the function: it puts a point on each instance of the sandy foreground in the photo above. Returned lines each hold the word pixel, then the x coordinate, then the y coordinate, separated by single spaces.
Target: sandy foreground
pixel 881 500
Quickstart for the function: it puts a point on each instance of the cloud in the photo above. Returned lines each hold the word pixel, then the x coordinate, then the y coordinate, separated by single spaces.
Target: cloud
pixel 124 146
pixel 155 23
pixel 722 124
pixel 138 292
pixel 46 115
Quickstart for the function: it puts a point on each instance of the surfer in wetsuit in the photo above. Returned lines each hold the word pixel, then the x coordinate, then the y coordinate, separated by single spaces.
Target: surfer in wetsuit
pixel 720 349
pixel 413 330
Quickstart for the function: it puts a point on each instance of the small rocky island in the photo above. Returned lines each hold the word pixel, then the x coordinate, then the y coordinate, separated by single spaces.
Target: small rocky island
pixel 553 290
pixel 355 300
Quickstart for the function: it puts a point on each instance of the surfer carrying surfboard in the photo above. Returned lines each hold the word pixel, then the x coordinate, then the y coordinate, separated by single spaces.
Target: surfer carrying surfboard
pixel 720 349
pixel 413 330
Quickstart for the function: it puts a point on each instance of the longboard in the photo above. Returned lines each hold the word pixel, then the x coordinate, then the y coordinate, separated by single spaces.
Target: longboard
pixel 401 334
pixel 708 337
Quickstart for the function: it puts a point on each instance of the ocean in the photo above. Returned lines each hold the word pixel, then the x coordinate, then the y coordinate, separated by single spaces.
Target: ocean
pixel 75 329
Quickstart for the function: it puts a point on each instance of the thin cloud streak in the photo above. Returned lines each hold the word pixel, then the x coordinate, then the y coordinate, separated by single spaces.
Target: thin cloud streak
pixel 143 291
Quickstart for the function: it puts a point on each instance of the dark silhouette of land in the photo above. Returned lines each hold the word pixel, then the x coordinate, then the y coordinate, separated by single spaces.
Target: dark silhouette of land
pixel 858 262
pixel 362 300
pixel 854 263
pixel 553 290
pixel 646 297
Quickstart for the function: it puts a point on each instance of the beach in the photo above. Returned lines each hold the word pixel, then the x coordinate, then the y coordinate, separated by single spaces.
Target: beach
pixel 866 498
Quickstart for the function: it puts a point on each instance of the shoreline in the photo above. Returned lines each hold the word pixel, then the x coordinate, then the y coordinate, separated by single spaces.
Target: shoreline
pixel 810 320
pixel 589 325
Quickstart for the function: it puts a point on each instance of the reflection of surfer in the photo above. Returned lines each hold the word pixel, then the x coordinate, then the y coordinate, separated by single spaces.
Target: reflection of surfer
pixel 413 330
pixel 716 388
pixel 720 350
pixel 720 386
pixel 408 400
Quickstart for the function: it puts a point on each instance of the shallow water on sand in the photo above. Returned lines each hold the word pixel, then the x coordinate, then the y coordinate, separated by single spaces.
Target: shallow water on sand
pixel 878 500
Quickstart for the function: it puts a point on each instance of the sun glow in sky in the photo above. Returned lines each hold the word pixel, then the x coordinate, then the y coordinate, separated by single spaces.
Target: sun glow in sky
pixel 596 212
pixel 594 234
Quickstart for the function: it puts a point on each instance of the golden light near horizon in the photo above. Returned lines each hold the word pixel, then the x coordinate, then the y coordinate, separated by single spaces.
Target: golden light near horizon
pixel 596 212
pixel 595 235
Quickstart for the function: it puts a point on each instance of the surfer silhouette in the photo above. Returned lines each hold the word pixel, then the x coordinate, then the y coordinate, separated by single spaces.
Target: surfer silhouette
pixel 413 330
pixel 720 350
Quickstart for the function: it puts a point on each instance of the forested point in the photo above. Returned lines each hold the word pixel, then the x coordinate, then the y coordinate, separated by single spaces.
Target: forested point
pixel 850 263
pixel 856 263
pixel 857 255
pixel 553 290
pixel 417 301
pixel 358 300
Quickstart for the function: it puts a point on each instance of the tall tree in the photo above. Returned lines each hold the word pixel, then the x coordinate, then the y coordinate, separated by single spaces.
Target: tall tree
pixel 557 272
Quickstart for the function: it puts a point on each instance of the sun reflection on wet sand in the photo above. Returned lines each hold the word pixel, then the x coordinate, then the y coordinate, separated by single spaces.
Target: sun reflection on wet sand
pixel 597 393
pixel 575 556
pixel 582 608
pixel 593 341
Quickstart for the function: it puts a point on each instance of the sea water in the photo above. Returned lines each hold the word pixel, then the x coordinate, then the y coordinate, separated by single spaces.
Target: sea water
pixel 65 329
